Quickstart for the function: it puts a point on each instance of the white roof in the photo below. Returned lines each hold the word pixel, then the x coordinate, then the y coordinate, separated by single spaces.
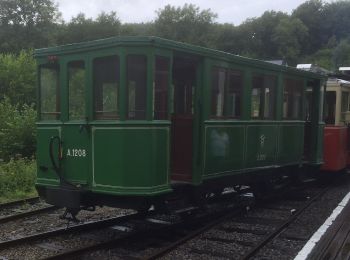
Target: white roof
pixel 344 68
pixel 304 66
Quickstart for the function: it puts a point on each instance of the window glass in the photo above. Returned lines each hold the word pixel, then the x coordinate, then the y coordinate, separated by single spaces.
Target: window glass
pixel 292 99
pixel 218 87
pixel 161 88
pixel 308 105
pixel 297 100
pixel 263 97
pixel 106 85
pixel 257 87
pixel 76 85
pixel 329 108
pixel 344 101
pixel 232 105
pixel 269 96
pixel 136 86
pixel 49 92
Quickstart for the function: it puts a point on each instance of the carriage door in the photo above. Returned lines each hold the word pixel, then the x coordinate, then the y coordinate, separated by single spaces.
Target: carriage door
pixel 75 132
pixel 314 106
pixel 184 79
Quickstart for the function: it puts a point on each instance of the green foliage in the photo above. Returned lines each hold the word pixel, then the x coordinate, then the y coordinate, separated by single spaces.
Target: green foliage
pixel 17 179
pixel 322 58
pixel 289 36
pixel 81 28
pixel 18 77
pixel 26 23
pixel 341 54
pixel 17 130
pixel 188 24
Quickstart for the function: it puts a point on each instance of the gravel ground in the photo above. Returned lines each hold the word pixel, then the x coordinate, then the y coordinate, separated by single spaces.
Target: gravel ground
pixel 229 240
pixel 281 248
pixel 17 209
pixel 46 222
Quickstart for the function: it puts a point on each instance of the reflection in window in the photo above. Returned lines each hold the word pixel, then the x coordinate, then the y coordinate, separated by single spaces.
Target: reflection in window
pixel 161 88
pixel 329 107
pixel 263 97
pixel 49 92
pixel 106 82
pixel 256 102
pixel 344 101
pixel 76 85
pixel 218 86
pixel 232 105
pixel 292 99
pixel 226 93
pixel 136 86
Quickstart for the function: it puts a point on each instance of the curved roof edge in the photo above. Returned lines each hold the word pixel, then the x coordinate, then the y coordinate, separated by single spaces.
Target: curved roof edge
pixel 165 43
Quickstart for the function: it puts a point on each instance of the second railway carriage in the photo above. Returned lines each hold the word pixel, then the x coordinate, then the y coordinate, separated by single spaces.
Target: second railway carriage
pixel 337 119
pixel 126 121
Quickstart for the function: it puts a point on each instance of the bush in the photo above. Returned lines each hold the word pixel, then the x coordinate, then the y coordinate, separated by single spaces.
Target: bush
pixel 17 130
pixel 18 77
pixel 17 178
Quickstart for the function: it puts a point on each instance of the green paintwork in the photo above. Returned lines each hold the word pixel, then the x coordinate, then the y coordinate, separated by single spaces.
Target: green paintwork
pixel 129 157
pixel 135 159
pixel 233 147
pixel 44 134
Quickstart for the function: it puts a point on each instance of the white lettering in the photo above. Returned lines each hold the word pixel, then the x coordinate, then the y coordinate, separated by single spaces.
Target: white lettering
pixel 260 157
pixel 76 152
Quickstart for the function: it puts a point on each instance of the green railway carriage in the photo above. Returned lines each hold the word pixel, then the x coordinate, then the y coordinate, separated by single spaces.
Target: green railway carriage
pixel 126 120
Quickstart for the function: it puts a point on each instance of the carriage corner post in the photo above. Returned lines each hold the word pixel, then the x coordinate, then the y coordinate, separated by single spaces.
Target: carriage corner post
pixel 142 119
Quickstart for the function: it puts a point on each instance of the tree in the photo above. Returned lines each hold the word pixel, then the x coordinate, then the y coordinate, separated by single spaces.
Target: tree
pixel 341 54
pixel 289 37
pixel 311 13
pixel 81 28
pixel 187 24
pixel 26 24
pixel 18 77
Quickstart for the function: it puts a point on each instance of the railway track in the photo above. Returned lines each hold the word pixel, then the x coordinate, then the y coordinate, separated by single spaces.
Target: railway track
pixel 23 208
pixel 19 202
pixel 154 236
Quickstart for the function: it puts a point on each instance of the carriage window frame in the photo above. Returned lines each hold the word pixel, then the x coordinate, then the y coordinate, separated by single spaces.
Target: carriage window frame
pixel 262 82
pixel 221 88
pixel 161 87
pixel 136 114
pixel 112 81
pixel 50 115
pixel 290 91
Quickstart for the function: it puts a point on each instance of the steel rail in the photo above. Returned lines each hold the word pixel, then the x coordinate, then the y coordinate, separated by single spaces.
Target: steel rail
pixel 191 235
pixel 137 235
pixel 19 202
pixel 282 227
pixel 76 228
pixel 26 214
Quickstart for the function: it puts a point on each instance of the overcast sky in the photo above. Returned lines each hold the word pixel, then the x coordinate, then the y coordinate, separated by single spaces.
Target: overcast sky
pixel 129 11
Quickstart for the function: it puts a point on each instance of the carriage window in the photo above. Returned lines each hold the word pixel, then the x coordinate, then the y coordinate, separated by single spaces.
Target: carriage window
pixel 49 92
pixel 269 96
pixel 161 88
pixel 232 105
pixel 292 99
pixel 76 84
pixel 263 97
pixel 217 95
pixel 344 101
pixel 136 86
pixel 256 97
pixel 329 107
pixel 106 83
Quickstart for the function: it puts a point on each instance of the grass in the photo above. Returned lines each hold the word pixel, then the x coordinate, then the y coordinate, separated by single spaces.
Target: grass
pixel 17 179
